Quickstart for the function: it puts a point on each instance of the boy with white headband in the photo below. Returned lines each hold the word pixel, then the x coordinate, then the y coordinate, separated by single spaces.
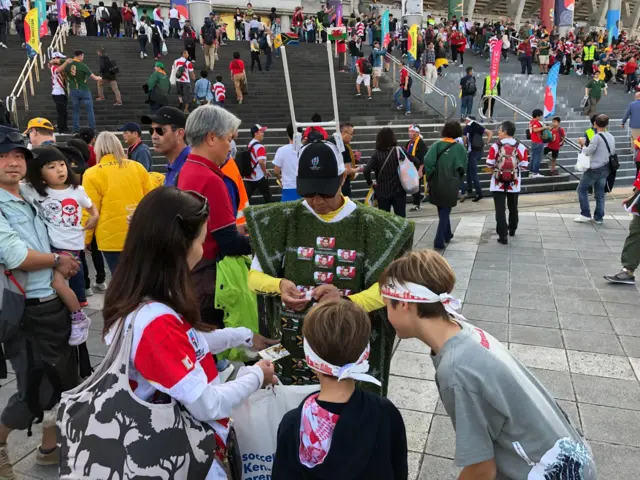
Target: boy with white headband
pixel 508 426
pixel 341 432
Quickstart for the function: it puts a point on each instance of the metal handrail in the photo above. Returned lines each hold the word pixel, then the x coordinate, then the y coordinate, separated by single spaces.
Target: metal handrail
pixel 30 70
pixel 427 86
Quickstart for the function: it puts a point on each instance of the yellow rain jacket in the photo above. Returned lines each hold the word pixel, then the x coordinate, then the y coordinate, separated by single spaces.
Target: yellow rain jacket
pixel 111 187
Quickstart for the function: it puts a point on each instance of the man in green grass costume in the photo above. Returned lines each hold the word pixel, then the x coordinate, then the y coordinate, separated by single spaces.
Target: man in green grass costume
pixel 324 245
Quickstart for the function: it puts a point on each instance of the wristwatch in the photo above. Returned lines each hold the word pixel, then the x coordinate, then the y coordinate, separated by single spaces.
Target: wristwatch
pixel 56 260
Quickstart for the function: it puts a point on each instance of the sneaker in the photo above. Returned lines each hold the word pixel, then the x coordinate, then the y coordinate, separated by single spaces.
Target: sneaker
pixel 6 470
pixel 503 241
pixel 84 304
pixel 477 198
pixel 582 219
pixel 597 222
pixel 415 208
pixel 461 66
pixel 358 94
pixel 141 55
pixel 399 107
pixel 51 458
pixel 79 328
pixel 623 276
pixel 376 89
pixel 408 112
pixel 145 55
pixel 101 286
pixel 117 104
pixel 3 45
pixel 88 292
pixel 370 98
pixel 240 102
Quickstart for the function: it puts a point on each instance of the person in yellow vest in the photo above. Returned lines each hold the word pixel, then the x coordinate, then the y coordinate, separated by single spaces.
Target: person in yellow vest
pixel 489 103
pixel 416 148
pixel 588 56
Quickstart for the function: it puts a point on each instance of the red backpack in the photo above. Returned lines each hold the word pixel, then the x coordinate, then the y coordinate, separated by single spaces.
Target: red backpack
pixel 507 163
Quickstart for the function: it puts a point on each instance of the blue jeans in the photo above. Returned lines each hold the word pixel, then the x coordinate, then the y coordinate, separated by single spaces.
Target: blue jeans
pixel 466 105
pixel 354 59
pixel 112 260
pixel 76 283
pixel 443 233
pixel 472 172
pixel 597 179
pixel 536 157
pixel 405 100
pixel 84 97
pixel 527 64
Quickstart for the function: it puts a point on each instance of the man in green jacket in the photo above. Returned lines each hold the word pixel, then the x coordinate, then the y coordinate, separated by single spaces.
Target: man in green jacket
pixel 159 86
pixel 593 91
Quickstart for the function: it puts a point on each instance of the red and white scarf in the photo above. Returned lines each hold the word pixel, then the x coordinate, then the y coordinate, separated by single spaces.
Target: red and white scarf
pixel 316 431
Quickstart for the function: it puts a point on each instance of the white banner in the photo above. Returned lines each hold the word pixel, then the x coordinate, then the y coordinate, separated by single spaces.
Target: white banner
pixel 411 7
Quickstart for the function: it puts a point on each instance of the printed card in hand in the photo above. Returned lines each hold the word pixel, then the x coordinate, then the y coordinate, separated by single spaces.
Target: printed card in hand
pixel 274 353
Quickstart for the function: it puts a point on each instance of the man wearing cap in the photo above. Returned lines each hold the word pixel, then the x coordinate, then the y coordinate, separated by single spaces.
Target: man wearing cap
pixel 168 139
pixel 417 149
pixel 475 149
pixel 40 132
pixel 137 151
pixel 158 86
pixel 40 336
pixel 331 225
pixel 258 180
pixel 77 74
pixel 59 90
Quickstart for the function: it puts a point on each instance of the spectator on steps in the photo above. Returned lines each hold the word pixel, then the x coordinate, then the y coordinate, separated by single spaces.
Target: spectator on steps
pixel 239 76
pixel 416 148
pixel 127 20
pixel 364 75
pixel 158 19
pixel 52 18
pixel 103 16
pixel 208 39
pixel 468 91
pixel 354 51
pixel 156 41
pixel 18 22
pixel 167 138
pixel 137 150
pixel 593 91
pixel 633 115
pixel 219 92
pixel 189 40
pixel 404 90
pixel 40 132
pixel 108 72
pixel 77 74
pixel 116 19
pixel 254 47
pixel 349 157
pixel 259 179
pixel 75 17
pixel 285 167
pixel 203 90
pixel 475 149
pixel 144 37
pixel 88 13
pixel 536 127
pixel 378 54
pixel 525 56
pixel 59 90
pixel 174 22
pixel 158 86
pixel 183 81
pixel 88 136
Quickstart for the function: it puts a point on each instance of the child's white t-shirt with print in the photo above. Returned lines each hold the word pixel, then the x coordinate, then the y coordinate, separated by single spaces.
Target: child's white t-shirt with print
pixel 61 211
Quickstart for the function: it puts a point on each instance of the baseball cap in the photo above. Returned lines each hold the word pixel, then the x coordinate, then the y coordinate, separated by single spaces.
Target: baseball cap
pixel 87 134
pixel 258 128
pixel 12 139
pixel 320 167
pixel 166 116
pixel 159 65
pixel 39 122
pixel 131 127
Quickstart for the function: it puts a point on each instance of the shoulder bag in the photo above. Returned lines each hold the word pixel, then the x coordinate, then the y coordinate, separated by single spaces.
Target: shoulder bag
pixel 614 162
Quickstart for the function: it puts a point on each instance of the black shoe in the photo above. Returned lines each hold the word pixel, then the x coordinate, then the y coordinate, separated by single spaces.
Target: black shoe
pixel 449 240
pixel 477 198
pixel 503 241
pixel 512 233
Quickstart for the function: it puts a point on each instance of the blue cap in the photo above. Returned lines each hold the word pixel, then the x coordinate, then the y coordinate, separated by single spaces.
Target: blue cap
pixel 132 127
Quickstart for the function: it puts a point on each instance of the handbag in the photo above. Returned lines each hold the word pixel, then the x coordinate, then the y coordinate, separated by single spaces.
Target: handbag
pixel 583 163
pixel 614 162
pixel 101 422
pixel 408 173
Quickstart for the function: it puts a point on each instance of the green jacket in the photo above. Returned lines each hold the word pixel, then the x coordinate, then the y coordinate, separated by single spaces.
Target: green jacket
pixel 444 170
pixel 159 86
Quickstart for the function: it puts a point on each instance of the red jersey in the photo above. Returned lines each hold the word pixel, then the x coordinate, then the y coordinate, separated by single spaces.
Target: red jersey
pixel 236 66
pixel 187 68
pixel 558 138
pixel 630 68
pixel 536 137
pixel 404 73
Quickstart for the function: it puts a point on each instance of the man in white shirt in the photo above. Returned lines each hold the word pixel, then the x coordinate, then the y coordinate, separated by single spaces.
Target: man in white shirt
pixel 174 22
pixel 59 90
pixel 258 180
pixel 183 81
pixel 158 20
pixel 285 166
pixel 5 21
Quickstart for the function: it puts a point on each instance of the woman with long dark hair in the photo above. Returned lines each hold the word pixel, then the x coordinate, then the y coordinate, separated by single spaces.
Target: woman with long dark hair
pixel 172 350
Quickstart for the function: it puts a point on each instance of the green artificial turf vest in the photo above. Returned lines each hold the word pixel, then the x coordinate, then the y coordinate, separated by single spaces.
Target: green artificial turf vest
pixel 292 242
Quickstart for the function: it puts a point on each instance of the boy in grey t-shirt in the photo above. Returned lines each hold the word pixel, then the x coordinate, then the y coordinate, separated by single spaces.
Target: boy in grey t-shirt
pixel 508 426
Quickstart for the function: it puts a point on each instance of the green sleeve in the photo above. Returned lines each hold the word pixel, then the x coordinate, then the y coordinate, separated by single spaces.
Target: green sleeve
pixel 153 79
pixel 430 159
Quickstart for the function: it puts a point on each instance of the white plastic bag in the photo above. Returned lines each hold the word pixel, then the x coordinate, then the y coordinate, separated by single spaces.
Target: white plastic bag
pixel 172 76
pixel 256 423
pixel 583 163
pixel 165 50
pixel 408 173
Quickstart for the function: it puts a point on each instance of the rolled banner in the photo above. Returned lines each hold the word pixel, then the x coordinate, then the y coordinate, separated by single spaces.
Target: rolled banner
pixel 384 29
pixel 550 91
pixel 339 14
pixel 494 68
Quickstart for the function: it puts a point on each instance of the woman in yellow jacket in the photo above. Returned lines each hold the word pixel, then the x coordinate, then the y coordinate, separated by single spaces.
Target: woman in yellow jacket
pixel 112 184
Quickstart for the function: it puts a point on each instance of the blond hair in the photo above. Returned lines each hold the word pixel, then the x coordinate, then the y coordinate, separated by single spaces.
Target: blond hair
pixel 424 267
pixel 108 143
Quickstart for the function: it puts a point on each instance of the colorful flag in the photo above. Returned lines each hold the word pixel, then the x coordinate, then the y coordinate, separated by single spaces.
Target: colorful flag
pixel 337 33
pixel 412 42
pixel 550 91
pixel 62 11
pixel 494 68
pixel 339 14
pixel 384 29
pixel 41 6
pixel 564 12
pixel 31 30
pixel 181 6
pixel 547 13
pixel 455 9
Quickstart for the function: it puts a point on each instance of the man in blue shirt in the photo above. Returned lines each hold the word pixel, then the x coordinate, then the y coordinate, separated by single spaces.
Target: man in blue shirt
pixel 137 151
pixel 40 339
pixel 378 54
pixel 167 136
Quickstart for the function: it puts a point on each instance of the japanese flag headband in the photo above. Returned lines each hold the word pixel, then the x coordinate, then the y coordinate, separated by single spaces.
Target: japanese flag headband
pixel 356 371
pixel 415 293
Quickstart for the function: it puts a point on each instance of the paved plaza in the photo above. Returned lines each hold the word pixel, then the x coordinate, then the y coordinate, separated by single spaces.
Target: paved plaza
pixel 544 295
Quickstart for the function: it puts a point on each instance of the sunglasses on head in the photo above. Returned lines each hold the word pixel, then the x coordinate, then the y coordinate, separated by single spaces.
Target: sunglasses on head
pixel 204 210
pixel 13 137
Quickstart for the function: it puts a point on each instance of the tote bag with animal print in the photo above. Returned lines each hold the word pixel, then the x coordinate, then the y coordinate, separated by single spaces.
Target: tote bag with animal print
pixel 106 432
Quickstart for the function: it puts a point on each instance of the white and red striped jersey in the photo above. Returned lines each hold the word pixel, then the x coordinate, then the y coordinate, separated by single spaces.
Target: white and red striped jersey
pixel 258 152
pixel 219 91
pixel 360 29
pixel 188 68
pixel 58 82
pixel 492 159
pixel 533 40
pixel 168 355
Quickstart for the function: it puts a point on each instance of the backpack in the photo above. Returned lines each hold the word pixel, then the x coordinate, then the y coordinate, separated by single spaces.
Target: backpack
pixel 207 35
pixel 155 35
pixel 507 163
pixel 370 58
pixel 547 136
pixel 263 43
pixel 245 165
pixel 470 87
pixel 366 67
pixel 113 69
pixel 142 31
pixel 104 15
pixel 477 142
pixel 12 298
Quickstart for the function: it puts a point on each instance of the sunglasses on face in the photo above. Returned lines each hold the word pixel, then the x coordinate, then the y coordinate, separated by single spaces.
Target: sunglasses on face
pixel 13 137
pixel 159 130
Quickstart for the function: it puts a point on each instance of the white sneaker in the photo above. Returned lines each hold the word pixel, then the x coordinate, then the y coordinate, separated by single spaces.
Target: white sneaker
pixel 582 219
pixel 3 45
pixel 598 222
pixel 376 90
pixel 145 55
pixel 399 107
pixel 101 286
pixel 88 292
pixel 79 328
pixel 141 55
pixel 461 66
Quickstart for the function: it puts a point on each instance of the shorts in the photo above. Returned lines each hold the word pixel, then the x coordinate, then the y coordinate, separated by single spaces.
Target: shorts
pixel 377 71
pixel 76 20
pixel 184 90
pixel 554 153
pixel 366 78
pixel 543 59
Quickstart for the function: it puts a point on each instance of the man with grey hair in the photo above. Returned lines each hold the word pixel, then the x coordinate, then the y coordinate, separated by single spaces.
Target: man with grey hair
pixel 209 131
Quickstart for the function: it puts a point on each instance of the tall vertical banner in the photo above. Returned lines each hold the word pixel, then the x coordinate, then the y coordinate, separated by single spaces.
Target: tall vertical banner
pixel 31 30
pixel 181 6
pixel 613 24
pixel 412 7
pixel 547 17
pixel 384 29
pixel 41 6
pixel 339 15
pixel 412 43
pixel 494 67
pixel 564 12
pixel 62 11
pixel 456 8
pixel 550 91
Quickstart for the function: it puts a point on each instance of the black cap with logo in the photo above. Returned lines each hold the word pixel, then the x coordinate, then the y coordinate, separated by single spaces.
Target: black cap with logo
pixel 166 116
pixel 320 169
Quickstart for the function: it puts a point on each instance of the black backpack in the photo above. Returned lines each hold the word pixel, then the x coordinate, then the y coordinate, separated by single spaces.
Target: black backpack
pixel 104 15
pixel 477 142
pixel 208 35
pixel 245 165
pixel 470 87
pixel 263 43
pixel 614 161
pixel 142 31
pixel 113 68
pixel 155 35
pixel 180 72
pixel 366 67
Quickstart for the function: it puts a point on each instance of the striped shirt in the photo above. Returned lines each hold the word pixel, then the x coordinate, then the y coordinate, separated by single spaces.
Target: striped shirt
pixel 58 84
pixel 492 159
pixel 219 90
pixel 258 152
pixel 188 68
pixel 360 29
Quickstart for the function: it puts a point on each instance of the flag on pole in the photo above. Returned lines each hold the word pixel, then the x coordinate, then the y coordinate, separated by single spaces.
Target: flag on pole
pixel 339 14
pixel 412 42
pixel 337 33
pixel 62 11
pixel 495 46
pixel 31 30
pixel 550 91
pixel 384 29
pixel 41 6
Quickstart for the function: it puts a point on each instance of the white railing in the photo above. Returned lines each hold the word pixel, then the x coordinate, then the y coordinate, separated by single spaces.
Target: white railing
pixel 30 70
pixel 426 88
